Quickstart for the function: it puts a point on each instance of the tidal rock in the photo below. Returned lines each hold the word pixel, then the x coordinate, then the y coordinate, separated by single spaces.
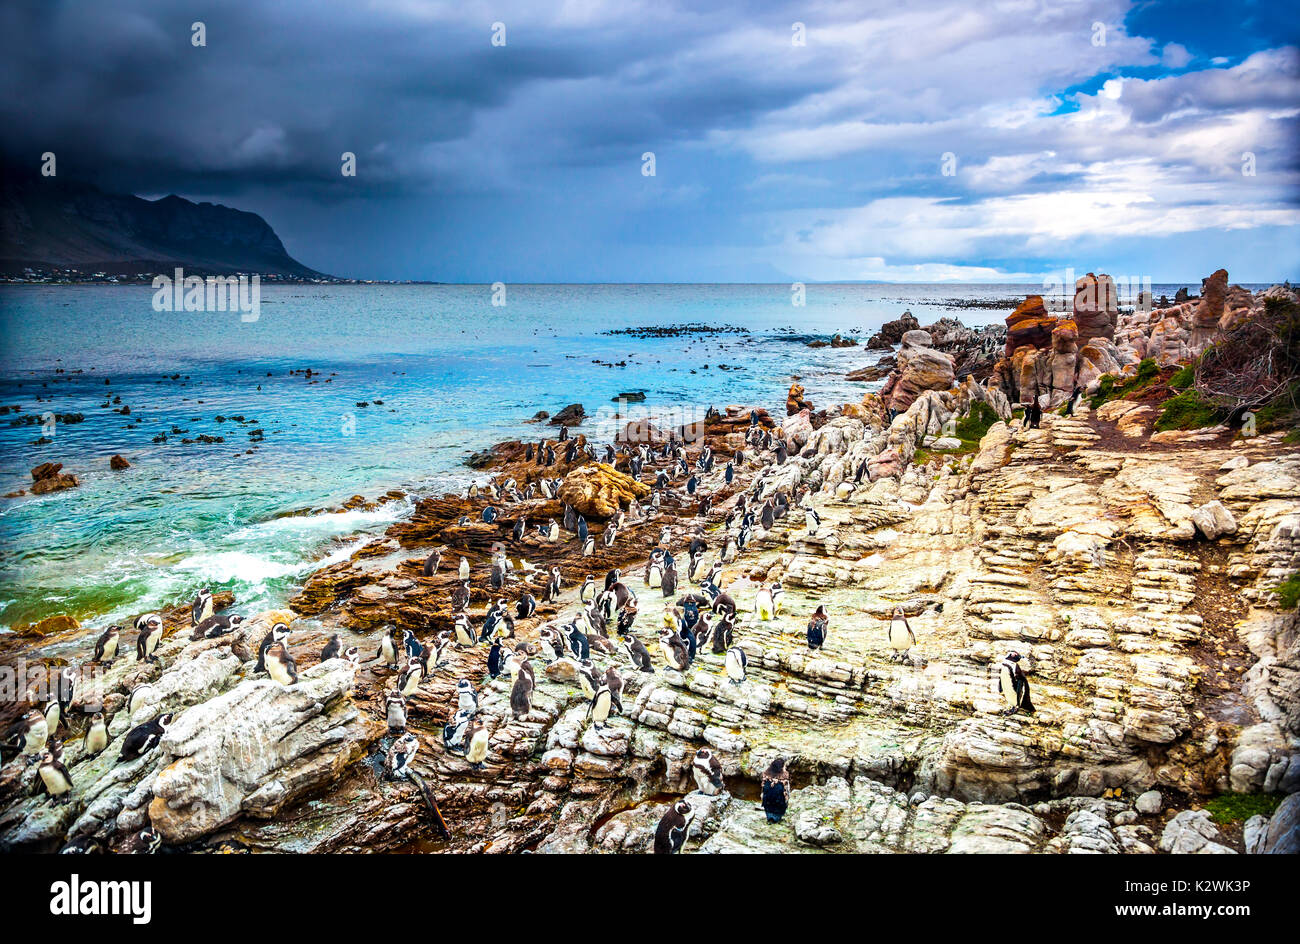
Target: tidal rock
pixel 117 463
pixel 1192 831
pixel 46 478
pixel 571 415
pixel 598 490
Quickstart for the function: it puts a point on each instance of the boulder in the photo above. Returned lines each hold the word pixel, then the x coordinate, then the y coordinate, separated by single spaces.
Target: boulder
pixel 571 415
pixel 920 368
pixel 1096 307
pixel 795 401
pixel 1192 831
pixel 598 490
pixel 46 478
pixel 891 332
pixel 117 463
pixel 1029 324
pixel 1214 521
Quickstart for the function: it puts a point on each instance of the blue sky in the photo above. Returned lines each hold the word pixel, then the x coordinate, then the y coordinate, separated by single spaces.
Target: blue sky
pixel 1097 134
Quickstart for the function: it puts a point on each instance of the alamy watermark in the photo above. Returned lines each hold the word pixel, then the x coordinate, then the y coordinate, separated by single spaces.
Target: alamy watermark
pixel 181 292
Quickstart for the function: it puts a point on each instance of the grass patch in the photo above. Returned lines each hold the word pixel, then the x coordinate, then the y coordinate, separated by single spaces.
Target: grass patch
pixel 1239 807
pixel 1288 592
pixel 1188 411
pixel 1182 379
pixel 1279 412
pixel 972 428
pixel 1107 390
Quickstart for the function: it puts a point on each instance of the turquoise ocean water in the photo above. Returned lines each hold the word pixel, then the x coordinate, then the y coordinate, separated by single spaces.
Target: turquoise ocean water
pixel 455 374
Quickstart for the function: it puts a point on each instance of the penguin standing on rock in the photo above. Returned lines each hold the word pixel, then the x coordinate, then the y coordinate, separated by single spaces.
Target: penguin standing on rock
pixel 460 597
pixel 466 697
pixel 455 730
pixel 671 833
pixel 674 650
pixel 278 633
pixel 280 665
pixel 1014 686
pixel 395 712
pixel 764 609
pixel 388 648
pixel 495 659
pixel 587 592
pixel 521 695
pixel 638 654
pixel 332 648
pixel 106 645
pixel 463 571
pixel 476 743
pixel 202 607
pixel 736 660
pixel 27 735
pixel 901 637
pixel 96 735
pixel 433 562
pixel 54 779
pixel 150 627
pixel 818 627
pixel 400 755
pixel 775 786
pixel 598 710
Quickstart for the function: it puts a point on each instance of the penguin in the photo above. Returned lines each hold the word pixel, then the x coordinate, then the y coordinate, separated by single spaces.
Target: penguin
pixel 150 627
pixel 811 520
pixel 463 572
pixel 692 484
pixel 637 654
pixel 476 743
pixel 588 678
pixel 598 710
pixel 454 731
pixel 614 682
pixel 775 787
pixel 764 608
pixel 818 627
pixel 552 532
pixel 55 779
pixel 654 569
pixel 587 592
pixel 96 738
pixel 280 665
pixel 432 563
pixel 526 606
pixel 388 647
pixel 613 577
pixel 517 532
pixel 729 473
pixel 464 632
pixel 723 603
pixel 899 634
pixel 768 516
pixel 588 546
pixel 332 648
pixel 85 844
pixel 708 772
pixel 674 651
pixel 408 683
pixel 668 583
pixel 608 536
pixel 778 593
pixel 215 627
pixel 106 645
pixel 736 661
pixel 202 607
pixel 352 654
pixel 143 738
pixel 460 597
pixel 53 715
pixel 1014 686
pixel 466 697
pixel 582 529
pixel 395 710
pixel 495 659
pixel 27 736
pixel 278 633
pixel 489 514
pixel 497 576
pixel 400 754
pixel 579 644
pixel 672 830
pixel 552 648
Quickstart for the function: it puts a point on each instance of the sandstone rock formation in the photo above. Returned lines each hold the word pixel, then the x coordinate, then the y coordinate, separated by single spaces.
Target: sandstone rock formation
pixel 47 478
pixel 598 490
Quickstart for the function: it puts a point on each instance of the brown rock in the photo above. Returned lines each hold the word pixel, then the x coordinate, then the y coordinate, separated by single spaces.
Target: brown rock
pixel 46 478
pixel 1096 307
pixel 51 624
pixel 571 415
pixel 599 490
pixel 1029 324
pixel 117 463
pixel 794 401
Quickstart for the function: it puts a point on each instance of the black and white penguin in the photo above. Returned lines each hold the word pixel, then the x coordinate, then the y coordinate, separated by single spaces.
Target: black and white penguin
pixel 463 632
pixel 723 634
pixel 578 642
pixel 1014 686
pixel 775 786
pixel 599 708
pixel 582 530
pixel 588 546
pixel 400 754
pixel 526 606
pixel 26 737
pixel 637 654
pixel 495 659
pixel 332 648
pixel 277 633
pixel 462 573
pixel 668 583
pixel 654 569
pixel 352 654
pixel 736 661
pixel 588 678
pixel 106 645
pixel 608 536
pixel 900 636
pixel 395 712
pixel 408 683
pixel 811 520
pixel 672 830
pixel 455 730
pixel 587 592
pixel 707 770
pixel 818 628
pixel 517 532
pixel 388 647
pixel 215 627
pixel 150 628
pixel 764 608
pixel 466 697
pixel 202 607
pixel 54 779
pixel 476 743
pixel 489 514
pixel 460 597
pixel 778 594
pixel 143 738
pixel 280 665
pixel 96 738
pixel 674 650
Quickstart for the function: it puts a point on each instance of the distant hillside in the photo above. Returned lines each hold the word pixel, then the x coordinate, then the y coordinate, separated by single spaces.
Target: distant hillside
pixel 49 222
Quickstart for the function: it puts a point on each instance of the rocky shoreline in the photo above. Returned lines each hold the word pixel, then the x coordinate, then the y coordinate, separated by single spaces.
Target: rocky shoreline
pixel 1136 576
